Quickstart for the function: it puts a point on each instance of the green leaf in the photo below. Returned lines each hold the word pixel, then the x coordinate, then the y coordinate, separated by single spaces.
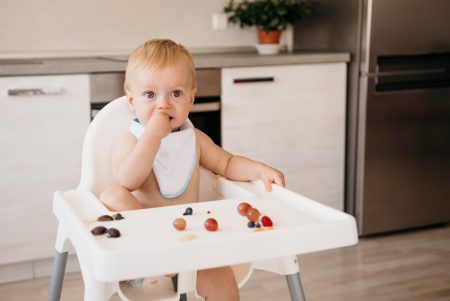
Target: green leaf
pixel 267 14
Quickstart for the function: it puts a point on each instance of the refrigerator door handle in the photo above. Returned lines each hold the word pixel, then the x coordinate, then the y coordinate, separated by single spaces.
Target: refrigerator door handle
pixel 412 80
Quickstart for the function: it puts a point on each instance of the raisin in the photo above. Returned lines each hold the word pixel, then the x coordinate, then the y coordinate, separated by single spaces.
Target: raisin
pixel 98 230
pixel 105 218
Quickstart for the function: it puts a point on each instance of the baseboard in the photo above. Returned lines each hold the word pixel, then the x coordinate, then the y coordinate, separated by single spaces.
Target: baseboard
pixel 21 271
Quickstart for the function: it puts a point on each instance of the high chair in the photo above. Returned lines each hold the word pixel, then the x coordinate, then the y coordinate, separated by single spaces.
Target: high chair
pixel 149 246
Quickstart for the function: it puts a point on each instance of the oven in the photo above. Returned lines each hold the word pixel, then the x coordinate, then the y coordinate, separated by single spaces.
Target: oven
pixel 205 113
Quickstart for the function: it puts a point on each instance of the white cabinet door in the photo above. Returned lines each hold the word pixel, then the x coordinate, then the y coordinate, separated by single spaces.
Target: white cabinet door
pixel 42 124
pixel 293 118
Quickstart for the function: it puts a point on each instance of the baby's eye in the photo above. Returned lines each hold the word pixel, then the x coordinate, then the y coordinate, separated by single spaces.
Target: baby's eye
pixel 149 94
pixel 176 93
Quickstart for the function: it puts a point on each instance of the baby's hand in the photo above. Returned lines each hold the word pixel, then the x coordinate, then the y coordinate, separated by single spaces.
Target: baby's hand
pixel 270 175
pixel 159 125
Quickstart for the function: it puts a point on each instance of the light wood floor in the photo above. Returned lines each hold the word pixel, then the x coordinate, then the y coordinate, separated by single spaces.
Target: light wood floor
pixel 406 266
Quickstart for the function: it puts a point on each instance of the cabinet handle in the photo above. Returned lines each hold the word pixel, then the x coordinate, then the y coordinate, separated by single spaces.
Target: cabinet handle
pixel 35 91
pixel 253 80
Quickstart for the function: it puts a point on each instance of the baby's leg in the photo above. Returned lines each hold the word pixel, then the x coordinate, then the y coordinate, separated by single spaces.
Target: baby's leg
pixel 217 284
pixel 117 198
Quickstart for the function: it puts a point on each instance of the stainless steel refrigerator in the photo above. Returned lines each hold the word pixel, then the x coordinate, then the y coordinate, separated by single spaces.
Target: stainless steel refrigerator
pixel 398 114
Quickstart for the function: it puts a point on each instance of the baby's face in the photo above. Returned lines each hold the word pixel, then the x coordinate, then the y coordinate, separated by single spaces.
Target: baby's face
pixel 168 89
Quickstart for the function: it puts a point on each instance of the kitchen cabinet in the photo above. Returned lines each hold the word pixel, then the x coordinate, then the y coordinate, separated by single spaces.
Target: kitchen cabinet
pixel 293 118
pixel 43 120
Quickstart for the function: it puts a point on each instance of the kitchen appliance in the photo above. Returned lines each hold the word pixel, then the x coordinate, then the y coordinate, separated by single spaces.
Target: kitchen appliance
pixel 205 113
pixel 398 129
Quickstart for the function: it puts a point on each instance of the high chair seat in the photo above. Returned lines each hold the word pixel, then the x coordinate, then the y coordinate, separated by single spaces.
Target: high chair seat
pixel 149 246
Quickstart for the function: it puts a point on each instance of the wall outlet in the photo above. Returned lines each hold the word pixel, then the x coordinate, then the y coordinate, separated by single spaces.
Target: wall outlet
pixel 219 21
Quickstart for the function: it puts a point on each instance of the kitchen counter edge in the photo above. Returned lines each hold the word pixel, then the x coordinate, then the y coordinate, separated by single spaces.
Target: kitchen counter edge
pixel 87 65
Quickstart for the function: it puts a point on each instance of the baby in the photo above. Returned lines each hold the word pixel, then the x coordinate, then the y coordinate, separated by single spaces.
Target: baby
pixel 156 163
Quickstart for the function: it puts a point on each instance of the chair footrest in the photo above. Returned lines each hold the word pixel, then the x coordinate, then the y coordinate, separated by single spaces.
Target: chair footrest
pixel 154 288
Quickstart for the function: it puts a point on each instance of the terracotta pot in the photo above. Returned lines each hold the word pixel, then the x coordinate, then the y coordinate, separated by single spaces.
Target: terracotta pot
pixel 270 37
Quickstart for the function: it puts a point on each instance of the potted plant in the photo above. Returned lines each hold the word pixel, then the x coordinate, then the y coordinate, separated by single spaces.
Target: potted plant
pixel 270 17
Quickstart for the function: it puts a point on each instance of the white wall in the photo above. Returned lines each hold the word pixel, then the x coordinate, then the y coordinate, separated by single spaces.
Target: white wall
pixel 105 26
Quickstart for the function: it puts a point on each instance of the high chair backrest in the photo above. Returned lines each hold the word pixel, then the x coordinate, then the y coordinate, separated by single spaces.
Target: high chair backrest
pixel 96 173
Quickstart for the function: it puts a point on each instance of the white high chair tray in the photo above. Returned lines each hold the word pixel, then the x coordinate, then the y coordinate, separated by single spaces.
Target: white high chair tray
pixel 149 245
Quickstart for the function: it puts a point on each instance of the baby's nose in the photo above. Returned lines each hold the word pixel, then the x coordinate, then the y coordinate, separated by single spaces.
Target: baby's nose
pixel 163 103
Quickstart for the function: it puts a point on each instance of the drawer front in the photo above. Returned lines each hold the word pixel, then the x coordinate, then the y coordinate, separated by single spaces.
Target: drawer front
pixel 293 118
pixel 105 87
pixel 43 120
pixel 208 82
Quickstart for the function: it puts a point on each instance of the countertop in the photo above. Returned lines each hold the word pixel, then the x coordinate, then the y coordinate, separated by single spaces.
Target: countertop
pixel 100 64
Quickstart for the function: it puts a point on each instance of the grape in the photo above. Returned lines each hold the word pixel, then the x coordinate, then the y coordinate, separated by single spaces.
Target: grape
pixel 211 224
pixel 243 208
pixel 179 224
pixel 266 221
pixel 253 214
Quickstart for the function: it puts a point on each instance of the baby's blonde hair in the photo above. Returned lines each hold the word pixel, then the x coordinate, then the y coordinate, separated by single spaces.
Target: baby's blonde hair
pixel 157 53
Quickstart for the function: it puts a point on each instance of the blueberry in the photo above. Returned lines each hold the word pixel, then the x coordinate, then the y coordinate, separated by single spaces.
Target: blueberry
pixel 112 233
pixel 118 216
pixel 188 211
pixel 251 224
pixel 257 225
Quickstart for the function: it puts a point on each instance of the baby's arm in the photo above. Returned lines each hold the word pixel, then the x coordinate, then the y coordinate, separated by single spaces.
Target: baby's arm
pixel 133 160
pixel 243 169
pixel 238 168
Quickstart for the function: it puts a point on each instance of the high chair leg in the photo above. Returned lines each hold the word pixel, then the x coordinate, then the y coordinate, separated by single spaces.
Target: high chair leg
pixel 95 290
pixel 59 268
pixel 295 287
pixel 183 297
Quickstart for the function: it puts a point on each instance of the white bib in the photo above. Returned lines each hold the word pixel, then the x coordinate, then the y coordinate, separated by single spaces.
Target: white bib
pixel 175 160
